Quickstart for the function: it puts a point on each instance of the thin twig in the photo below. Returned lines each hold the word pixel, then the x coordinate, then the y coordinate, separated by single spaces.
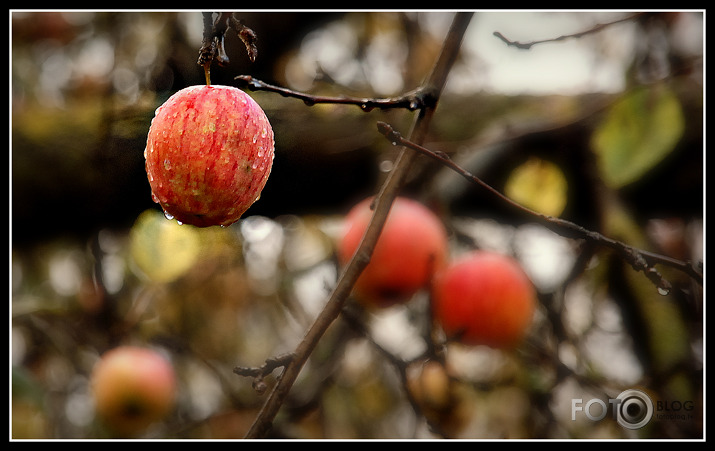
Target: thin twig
pixel 261 372
pixel 382 205
pixel 639 259
pixel 595 29
pixel 415 100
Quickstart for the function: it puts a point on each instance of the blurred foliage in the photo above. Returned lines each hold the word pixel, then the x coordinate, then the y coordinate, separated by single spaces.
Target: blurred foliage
pixel 637 134
pixel 539 185
pixel 95 264
pixel 162 249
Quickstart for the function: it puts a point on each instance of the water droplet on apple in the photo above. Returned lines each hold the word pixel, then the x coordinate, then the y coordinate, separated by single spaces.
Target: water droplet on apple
pixel 168 216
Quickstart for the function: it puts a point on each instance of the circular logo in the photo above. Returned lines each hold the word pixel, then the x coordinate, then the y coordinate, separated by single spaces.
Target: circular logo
pixel 635 409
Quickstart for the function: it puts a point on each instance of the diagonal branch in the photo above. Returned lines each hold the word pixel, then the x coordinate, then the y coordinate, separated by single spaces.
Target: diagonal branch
pixel 382 204
pixel 639 259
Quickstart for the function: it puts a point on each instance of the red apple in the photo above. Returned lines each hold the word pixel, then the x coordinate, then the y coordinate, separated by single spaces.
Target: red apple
pixel 411 246
pixel 208 154
pixel 133 387
pixel 484 298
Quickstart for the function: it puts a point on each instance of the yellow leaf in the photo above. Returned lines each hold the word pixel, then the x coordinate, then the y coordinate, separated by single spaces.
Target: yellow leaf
pixel 539 185
pixel 162 249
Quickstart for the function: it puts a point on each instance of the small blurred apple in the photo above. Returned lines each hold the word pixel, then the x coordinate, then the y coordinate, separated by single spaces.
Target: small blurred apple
pixel 133 387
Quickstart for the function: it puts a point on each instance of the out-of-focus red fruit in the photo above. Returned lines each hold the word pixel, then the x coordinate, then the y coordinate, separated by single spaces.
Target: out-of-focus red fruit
pixel 484 298
pixel 133 387
pixel 411 247
pixel 208 154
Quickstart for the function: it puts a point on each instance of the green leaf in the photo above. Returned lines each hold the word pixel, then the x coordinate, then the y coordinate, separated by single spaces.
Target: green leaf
pixel 637 133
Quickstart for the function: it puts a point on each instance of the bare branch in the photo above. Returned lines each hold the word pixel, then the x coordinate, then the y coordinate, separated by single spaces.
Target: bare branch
pixel 595 29
pixel 639 259
pixel 414 100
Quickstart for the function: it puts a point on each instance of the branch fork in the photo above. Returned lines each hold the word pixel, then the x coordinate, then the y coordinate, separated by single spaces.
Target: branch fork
pixel 259 373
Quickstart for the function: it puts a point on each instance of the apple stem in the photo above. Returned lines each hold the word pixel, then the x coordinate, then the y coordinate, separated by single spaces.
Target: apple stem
pixel 207 72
